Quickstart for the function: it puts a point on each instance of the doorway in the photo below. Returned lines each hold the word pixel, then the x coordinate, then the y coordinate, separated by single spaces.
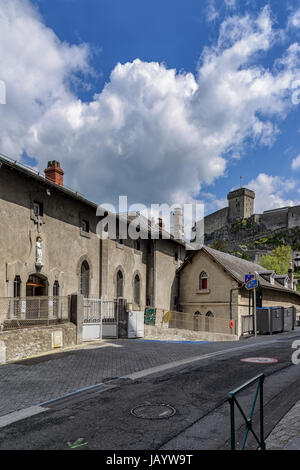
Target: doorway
pixel 37 288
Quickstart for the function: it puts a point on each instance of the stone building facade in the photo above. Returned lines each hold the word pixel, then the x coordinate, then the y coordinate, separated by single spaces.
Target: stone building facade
pixel 49 246
pixel 212 285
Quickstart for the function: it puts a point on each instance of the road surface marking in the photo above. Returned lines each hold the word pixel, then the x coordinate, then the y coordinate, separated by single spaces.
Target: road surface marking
pixel 259 360
pixel 172 365
pixel 34 410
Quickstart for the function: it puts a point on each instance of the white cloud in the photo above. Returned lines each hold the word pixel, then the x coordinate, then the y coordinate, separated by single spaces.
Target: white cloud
pixel 270 192
pixel 296 163
pixel 230 3
pixel 211 11
pixel 152 133
pixel 294 19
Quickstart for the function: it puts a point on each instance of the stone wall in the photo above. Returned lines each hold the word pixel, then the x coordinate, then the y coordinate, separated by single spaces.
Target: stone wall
pixel 175 334
pixel 65 246
pixel 294 217
pixel 130 261
pixel 166 265
pixel 26 342
pixel 216 221
pixel 216 298
pixel 275 219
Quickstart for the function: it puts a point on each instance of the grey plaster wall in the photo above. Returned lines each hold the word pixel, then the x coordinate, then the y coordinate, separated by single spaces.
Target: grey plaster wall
pixel 65 247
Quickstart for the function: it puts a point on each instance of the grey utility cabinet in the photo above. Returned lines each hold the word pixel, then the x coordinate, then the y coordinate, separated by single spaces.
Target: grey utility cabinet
pixel 270 320
pixel 289 319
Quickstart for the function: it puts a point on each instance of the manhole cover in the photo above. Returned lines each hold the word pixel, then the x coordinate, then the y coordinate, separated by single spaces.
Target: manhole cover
pixel 260 360
pixel 149 411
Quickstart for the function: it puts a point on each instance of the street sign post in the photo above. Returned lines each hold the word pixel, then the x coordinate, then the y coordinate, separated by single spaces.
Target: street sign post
pixel 251 283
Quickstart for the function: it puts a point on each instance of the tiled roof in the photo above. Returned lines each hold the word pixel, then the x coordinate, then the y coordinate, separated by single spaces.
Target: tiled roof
pixel 238 267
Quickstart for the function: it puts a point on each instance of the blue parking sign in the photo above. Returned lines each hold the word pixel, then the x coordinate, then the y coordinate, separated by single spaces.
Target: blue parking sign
pixel 252 284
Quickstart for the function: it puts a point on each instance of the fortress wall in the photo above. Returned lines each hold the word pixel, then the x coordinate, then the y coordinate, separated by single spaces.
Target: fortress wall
pixel 215 221
pixel 274 220
pixel 294 217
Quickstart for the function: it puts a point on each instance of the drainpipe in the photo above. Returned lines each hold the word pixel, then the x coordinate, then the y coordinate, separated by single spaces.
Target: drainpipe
pixel 154 274
pixel 100 268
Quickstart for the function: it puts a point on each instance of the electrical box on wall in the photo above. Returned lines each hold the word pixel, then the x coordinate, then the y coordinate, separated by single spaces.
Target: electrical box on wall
pixel 57 339
pixel 135 324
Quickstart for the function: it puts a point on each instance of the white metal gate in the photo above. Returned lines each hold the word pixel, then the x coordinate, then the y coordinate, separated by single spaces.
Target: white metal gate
pixel 110 318
pixel 92 320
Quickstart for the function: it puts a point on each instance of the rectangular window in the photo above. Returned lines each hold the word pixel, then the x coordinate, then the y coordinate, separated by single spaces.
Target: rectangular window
pixel 37 209
pixel 85 226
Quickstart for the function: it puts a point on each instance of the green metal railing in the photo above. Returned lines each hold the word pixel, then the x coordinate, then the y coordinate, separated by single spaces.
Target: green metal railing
pixel 248 421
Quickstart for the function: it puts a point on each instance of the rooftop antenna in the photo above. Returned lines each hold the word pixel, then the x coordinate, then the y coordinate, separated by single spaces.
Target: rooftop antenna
pixel 241 181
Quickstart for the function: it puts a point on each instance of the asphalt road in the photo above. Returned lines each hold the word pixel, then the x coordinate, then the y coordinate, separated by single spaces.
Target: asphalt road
pixel 197 388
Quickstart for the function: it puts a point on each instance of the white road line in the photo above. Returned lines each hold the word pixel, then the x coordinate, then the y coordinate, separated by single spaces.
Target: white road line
pixel 19 415
pixel 172 365
pixel 34 410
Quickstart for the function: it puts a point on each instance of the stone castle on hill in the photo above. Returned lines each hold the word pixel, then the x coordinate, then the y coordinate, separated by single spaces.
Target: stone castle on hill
pixel 237 229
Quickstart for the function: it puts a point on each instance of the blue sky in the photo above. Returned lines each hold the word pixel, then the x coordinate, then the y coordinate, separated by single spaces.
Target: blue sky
pixel 120 133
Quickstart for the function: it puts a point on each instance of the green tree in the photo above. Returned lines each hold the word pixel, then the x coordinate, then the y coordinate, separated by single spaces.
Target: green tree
pixel 279 260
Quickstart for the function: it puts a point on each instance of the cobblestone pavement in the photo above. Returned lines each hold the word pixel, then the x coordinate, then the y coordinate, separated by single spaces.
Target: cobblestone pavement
pixel 33 381
pixel 286 435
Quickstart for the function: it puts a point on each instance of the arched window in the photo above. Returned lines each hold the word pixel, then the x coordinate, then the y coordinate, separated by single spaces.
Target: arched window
pixel 136 289
pixel 17 293
pixel 37 286
pixel 17 286
pixel 197 313
pixel 56 298
pixel 203 281
pixel 56 289
pixel 119 287
pixel 85 279
pixel 209 314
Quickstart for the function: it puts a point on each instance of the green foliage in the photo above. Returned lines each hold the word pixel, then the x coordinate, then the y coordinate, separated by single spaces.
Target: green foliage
pixel 278 261
pixel 261 241
pixel 245 256
pixel 219 245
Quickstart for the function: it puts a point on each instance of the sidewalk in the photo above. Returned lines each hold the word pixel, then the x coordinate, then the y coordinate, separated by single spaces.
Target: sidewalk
pixel 286 435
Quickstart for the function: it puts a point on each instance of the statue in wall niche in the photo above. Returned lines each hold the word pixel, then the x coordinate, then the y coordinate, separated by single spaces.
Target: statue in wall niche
pixel 39 252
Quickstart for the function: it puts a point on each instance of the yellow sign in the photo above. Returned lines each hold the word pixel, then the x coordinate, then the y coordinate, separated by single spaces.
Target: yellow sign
pixel 167 317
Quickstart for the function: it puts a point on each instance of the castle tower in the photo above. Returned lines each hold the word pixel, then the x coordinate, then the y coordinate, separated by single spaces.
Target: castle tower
pixel 240 204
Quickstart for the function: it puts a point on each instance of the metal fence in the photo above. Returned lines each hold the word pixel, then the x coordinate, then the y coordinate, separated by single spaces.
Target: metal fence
pixel 110 314
pixel 201 323
pixel 22 312
pixel 233 401
pixel 91 310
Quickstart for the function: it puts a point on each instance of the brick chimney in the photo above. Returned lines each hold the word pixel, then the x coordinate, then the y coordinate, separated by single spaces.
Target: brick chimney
pixel 54 173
